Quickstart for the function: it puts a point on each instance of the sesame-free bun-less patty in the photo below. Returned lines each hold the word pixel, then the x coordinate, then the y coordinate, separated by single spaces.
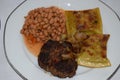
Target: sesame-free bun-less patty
pixel 58 58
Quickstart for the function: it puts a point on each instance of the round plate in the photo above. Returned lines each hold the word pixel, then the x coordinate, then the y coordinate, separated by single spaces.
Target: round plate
pixel 25 64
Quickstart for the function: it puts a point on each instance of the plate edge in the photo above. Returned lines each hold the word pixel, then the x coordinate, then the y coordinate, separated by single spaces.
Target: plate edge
pixel 21 75
pixel 115 71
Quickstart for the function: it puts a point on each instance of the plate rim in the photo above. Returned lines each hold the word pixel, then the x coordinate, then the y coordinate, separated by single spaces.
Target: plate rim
pixel 4 46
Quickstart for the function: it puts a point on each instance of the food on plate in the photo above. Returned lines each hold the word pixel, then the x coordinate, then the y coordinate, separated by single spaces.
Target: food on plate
pixel 64 39
pixel 93 52
pixel 84 31
pixel 87 21
pixel 57 58
pixel 33 48
pixel 42 24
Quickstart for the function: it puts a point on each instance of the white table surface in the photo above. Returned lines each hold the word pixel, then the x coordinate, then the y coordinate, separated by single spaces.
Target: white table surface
pixel 6 6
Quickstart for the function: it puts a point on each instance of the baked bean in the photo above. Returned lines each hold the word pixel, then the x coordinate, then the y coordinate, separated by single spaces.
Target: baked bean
pixel 41 33
pixel 57 38
pixel 45 33
pixel 51 21
pixel 45 26
pixel 22 31
pixel 49 15
pixel 48 28
pixel 59 29
pixel 46 20
pixel 38 39
pixel 44 23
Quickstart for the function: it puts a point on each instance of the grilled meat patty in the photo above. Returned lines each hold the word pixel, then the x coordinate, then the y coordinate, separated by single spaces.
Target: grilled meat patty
pixel 57 58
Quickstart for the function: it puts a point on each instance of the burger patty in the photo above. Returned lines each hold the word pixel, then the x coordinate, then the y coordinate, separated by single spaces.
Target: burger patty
pixel 58 58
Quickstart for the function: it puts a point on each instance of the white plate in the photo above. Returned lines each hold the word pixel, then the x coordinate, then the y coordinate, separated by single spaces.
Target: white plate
pixel 25 64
